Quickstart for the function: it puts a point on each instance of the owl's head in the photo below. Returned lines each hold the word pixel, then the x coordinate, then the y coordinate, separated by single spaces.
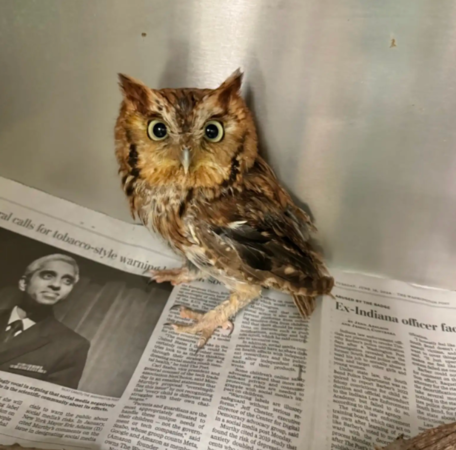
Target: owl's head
pixel 185 137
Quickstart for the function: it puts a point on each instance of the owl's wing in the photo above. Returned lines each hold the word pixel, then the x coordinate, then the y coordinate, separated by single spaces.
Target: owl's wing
pixel 256 241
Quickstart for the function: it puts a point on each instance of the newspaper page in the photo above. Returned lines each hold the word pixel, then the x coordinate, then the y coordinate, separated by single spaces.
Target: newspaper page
pixel 387 362
pixel 94 364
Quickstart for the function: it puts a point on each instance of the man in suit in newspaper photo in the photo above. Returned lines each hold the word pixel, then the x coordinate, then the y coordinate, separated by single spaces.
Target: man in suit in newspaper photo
pixel 33 342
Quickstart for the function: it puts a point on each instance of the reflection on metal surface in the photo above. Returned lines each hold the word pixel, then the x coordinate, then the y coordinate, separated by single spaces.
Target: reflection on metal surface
pixel 355 103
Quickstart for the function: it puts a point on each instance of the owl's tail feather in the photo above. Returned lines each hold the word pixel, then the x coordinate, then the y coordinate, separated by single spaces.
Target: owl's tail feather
pixel 324 286
pixel 306 303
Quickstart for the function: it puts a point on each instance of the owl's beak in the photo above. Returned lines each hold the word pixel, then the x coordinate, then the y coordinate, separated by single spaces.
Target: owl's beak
pixel 185 159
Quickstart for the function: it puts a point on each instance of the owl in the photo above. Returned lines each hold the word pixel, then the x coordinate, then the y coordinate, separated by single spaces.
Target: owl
pixel 192 172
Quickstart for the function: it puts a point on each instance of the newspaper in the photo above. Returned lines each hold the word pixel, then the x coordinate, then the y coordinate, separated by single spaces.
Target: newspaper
pixel 94 364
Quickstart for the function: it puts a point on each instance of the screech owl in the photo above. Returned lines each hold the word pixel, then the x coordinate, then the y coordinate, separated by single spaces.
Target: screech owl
pixel 192 172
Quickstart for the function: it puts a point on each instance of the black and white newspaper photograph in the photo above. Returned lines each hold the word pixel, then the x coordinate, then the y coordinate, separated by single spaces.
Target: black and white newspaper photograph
pixel 70 321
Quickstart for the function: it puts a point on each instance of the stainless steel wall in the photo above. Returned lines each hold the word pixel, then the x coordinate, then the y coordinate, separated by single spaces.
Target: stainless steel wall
pixel 355 102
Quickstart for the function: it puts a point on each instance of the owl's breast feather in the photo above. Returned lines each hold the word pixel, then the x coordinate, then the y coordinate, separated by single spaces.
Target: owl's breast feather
pixel 159 210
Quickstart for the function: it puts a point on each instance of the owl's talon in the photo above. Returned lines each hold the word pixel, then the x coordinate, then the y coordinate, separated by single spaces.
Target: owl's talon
pixel 201 343
pixel 175 306
pixel 228 325
pixel 198 348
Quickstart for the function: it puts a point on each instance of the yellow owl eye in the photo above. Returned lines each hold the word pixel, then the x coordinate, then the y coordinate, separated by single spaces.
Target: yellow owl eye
pixel 157 130
pixel 213 131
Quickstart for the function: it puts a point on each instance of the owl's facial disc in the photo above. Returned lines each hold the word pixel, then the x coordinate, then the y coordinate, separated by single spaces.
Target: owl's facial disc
pixel 188 137
pixel 185 159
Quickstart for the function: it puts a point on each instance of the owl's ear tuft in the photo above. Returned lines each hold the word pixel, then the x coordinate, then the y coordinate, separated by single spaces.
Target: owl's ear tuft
pixel 136 94
pixel 231 86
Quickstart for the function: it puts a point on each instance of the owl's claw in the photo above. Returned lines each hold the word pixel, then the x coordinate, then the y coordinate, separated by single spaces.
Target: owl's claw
pixel 230 327
pixel 205 324
pixel 175 306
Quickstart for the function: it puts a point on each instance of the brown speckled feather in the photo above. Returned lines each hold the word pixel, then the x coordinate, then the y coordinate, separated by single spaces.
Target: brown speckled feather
pixel 253 234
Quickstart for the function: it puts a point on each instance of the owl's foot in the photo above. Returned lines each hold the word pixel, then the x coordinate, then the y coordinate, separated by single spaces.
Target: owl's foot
pixel 174 276
pixel 205 323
